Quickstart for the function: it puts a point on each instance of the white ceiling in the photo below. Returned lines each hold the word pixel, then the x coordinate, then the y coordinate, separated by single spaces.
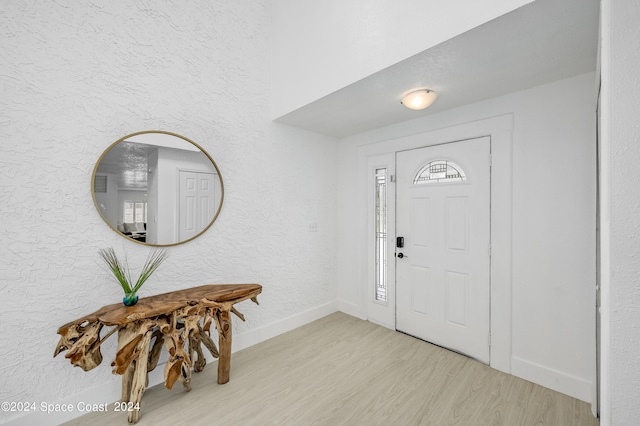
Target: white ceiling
pixel 541 42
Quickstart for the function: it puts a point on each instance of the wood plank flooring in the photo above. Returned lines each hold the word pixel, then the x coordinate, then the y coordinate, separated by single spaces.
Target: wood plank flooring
pixel 340 370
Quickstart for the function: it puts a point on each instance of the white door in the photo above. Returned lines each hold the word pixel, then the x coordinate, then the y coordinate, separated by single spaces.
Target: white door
pixel 197 203
pixel 442 272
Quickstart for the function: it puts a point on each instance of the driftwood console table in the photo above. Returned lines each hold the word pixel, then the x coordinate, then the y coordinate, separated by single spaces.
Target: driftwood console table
pixel 180 321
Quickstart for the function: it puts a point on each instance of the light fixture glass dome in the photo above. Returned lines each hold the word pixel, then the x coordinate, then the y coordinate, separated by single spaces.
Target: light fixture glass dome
pixel 419 99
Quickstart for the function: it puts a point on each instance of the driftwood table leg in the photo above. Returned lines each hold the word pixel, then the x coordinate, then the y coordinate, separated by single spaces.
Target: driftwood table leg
pixel 195 348
pixel 139 382
pixel 224 332
pixel 127 379
pixel 127 376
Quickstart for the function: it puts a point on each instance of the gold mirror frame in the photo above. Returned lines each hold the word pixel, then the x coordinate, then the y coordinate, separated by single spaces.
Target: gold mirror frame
pixel 115 227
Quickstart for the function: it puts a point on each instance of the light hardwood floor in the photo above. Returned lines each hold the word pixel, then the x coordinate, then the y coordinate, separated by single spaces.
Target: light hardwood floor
pixel 340 370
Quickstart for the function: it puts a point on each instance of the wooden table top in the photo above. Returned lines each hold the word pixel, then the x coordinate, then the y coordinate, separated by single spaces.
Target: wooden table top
pixel 166 303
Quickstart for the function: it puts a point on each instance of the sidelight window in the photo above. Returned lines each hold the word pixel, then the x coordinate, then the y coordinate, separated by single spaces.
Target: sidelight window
pixel 381 235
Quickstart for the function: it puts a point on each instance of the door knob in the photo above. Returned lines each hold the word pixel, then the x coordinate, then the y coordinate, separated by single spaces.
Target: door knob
pixel 401 255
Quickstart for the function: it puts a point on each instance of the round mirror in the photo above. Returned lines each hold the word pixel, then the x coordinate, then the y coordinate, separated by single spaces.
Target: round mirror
pixel 157 188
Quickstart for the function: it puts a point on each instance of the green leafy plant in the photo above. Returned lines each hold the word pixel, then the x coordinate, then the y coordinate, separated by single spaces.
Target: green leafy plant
pixel 121 270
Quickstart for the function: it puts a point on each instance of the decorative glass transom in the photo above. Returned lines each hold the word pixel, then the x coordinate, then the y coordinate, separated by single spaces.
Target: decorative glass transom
pixel 440 171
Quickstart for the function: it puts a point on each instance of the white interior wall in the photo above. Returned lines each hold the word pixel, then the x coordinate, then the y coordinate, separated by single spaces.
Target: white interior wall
pixel 320 47
pixel 553 231
pixel 620 229
pixel 75 77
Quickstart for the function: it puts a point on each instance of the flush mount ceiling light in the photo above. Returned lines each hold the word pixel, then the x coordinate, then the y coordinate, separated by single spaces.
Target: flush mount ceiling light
pixel 419 99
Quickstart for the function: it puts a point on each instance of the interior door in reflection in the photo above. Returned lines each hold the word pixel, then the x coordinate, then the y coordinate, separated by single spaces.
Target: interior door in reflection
pixel 198 202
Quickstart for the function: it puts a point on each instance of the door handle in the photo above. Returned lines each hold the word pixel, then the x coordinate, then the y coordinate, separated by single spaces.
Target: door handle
pixel 401 255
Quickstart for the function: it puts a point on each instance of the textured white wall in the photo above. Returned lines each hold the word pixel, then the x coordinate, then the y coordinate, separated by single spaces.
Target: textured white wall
pixel 323 46
pixel 553 227
pixel 620 53
pixel 75 77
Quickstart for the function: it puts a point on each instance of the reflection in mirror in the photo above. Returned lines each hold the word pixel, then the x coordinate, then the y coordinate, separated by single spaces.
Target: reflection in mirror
pixel 157 188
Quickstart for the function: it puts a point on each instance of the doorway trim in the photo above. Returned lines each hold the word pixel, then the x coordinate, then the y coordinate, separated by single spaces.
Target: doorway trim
pixel 382 154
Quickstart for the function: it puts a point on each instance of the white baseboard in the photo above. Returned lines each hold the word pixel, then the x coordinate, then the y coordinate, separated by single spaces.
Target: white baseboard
pixel 553 379
pixel 352 309
pixel 260 334
pixel 108 393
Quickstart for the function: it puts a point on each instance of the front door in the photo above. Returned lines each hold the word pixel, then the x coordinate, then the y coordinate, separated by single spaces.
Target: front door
pixel 443 266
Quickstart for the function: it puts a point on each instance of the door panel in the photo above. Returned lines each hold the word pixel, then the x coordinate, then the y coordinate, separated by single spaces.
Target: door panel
pixel 442 279
pixel 188 201
pixel 456 224
pixel 206 199
pixel 420 290
pixel 420 212
pixel 457 298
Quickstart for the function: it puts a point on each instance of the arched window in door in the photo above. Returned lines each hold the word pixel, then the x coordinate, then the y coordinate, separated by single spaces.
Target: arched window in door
pixel 439 171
